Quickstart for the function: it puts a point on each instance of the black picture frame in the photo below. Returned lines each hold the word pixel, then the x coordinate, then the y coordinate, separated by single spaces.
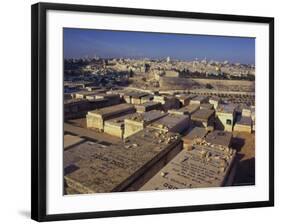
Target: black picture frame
pixel 38 108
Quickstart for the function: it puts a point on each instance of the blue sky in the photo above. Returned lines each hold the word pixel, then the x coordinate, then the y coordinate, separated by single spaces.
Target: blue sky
pixel 106 43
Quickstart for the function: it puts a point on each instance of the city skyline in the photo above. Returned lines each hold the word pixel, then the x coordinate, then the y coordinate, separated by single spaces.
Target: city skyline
pixel 79 43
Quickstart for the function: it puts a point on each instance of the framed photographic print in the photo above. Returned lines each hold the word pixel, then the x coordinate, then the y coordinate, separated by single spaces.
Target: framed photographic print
pixel 139 111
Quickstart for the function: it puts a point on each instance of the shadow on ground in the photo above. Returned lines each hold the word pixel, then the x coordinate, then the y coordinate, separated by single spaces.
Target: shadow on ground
pixel 245 173
pixel 24 213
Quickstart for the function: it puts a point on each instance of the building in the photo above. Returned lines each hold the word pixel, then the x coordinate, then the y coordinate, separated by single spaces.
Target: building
pixel 226 115
pixel 243 124
pixel 172 123
pixel 93 168
pixel 171 73
pixel 193 135
pixel 96 118
pixel 148 106
pixel 139 121
pixel 203 166
pixel 219 138
pixel 158 75
pixel 203 118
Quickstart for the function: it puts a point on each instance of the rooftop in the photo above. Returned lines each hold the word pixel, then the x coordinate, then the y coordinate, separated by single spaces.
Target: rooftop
pixel 169 121
pixel 185 110
pixel 136 94
pixel 206 106
pixel 226 108
pixel 196 132
pixel 147 116
pixel 192 107
pixel 202 114
pixel 106 111
pixel 119 121
pixel 148 103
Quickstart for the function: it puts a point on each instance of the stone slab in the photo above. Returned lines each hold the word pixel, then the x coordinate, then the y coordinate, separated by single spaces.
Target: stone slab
pixel 203 166
pixel 91 168
pixel 70 140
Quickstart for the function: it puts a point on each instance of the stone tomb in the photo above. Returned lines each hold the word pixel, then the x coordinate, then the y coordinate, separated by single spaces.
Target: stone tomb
pixel 172 123
pixel 148 106
pixel 187 110
pixel 93 168
pixel 115 126
pixel 168 102
pixel 225 117
pixel 193 135
pixel 83 94
pixel 203 166
pixel 199 100
pixel 78 108
pixel 215 101
pixel 139 121
pixel 207 106
pixel 147 98
pixel 114 98
pixel 203 118
pixel 134 97
pixel 219 138
pixel 96 118
pixel 185 98
pixel 243 124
